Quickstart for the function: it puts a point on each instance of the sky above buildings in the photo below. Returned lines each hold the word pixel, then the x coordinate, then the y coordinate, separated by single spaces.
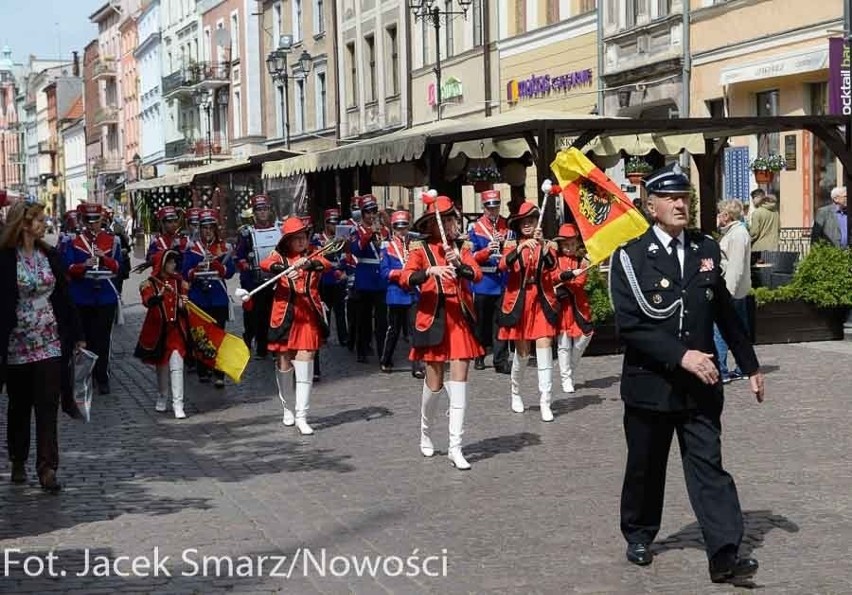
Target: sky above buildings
pixel 47 28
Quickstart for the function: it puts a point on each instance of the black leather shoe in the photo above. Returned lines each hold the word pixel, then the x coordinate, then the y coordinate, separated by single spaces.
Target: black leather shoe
pixel 479 363
pixel 49 482
pixel 734 570
pixel 503 369
pixel 639 554
pixel 19 473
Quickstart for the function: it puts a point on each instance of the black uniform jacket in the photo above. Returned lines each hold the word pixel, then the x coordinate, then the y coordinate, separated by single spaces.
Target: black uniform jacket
pixel 652 377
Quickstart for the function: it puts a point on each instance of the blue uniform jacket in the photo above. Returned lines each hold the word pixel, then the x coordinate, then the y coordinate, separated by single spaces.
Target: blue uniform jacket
pixel 368 277
pixel 90 292
pixel 396 295
pixel 249 278
pixel 208 293
pixel 493 281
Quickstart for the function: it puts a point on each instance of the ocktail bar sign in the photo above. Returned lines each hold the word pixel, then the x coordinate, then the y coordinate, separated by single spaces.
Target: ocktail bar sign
pixel 542 86
pixel 839 78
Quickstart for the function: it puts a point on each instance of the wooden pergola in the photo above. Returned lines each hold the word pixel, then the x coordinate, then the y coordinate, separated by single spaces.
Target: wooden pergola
pixel 541 135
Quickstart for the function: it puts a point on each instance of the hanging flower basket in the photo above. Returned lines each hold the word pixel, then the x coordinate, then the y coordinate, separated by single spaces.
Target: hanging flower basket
pixel 763 176
pixel 637 168
pixel 635 178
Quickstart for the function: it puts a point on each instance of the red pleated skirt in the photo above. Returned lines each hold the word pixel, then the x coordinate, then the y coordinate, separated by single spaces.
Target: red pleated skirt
pixel 459 341
pixel 567 322
pixel 533 324
pixel 305 333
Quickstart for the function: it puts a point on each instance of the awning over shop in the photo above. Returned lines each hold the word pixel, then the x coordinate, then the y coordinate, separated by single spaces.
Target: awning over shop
pixel 176 179
pixel 642 144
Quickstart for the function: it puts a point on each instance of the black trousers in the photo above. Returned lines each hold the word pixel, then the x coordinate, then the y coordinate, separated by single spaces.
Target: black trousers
pixel 256 321
pixel 711 489
pixel 334 297
pixel 97 328
pixel 351 317
pixel 398 321
pixel 34 386
pixel 220 314
pixel 372 318
pixel 486 307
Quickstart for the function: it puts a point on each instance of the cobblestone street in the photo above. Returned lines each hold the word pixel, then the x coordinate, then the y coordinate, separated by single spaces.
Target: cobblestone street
pixel 537 513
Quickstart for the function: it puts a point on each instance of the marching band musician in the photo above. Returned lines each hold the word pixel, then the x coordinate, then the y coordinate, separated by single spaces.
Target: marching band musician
pixel 370 287
pixel 575 322
pixel 70 229
pixel 333 282
pixel 164 337
pixel 487 235
pixel 92 261
pixel 298 326
pixel 256 318
pixel 443 331
pixel 115 225
pixel 399 300
pixel 351 293
pixel 207 264
pixel 191 217
pixel 529 310
pixel 168 238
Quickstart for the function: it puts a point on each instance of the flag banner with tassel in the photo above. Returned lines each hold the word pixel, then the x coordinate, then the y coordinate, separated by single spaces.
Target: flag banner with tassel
pixel 215 348
pixel 604 214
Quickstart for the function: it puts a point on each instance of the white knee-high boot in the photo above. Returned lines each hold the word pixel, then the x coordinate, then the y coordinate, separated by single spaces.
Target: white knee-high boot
pixel 304 382
pixel 580 344
pixel 457 391
pixel 176 374
pixel 285 390
pixel 519 370
pixel 544 361
pixel 564 352
pixel 428 409
pixel 162 388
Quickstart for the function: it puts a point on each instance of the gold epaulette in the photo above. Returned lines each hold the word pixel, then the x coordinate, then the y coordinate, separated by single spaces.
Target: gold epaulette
pixel 145 284
pixel 510 243
pixel 467 245
pixel 415 244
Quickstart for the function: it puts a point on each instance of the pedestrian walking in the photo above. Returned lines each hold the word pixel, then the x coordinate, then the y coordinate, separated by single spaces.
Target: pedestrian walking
pixel 667 290
pixel 39 331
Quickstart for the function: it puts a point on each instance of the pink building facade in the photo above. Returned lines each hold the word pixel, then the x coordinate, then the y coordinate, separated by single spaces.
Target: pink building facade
pixel 129 94
pixel 11 145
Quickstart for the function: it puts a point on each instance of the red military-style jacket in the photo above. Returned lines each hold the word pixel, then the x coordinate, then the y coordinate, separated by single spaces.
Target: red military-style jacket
pixel 576 316
pixel 526 269
pixel 289 291
pixel 433 291
pixel 166 325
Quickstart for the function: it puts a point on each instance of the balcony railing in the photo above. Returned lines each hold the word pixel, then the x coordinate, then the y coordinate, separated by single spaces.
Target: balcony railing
pixel 104 67
pixel 106 115
pixel 212 74
pixel 102 165
pixel 176 148
pixel 47 146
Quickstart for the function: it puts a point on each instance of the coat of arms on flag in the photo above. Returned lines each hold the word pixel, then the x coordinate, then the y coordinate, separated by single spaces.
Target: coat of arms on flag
pixel 214 347
pixel 605 216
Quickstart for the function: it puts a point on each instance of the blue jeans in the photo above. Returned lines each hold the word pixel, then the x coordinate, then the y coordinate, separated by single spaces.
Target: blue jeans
pixel 721 346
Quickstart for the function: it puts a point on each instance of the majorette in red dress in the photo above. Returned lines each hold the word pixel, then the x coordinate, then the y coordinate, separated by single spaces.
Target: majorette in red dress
pixel 445 321
pixel 529 309
pixel 298 316
pixel 166 324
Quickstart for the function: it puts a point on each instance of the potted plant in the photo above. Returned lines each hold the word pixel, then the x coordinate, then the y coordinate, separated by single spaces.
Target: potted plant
pixel 765 167
pixel 482 174
pixel 636 169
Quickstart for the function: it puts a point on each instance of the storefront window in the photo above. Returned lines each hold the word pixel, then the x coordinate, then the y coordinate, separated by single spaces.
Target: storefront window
pixel 768 143
pixel 823 164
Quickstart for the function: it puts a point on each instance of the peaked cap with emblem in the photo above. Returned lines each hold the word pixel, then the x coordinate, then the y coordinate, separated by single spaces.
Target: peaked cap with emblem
pixel 668 180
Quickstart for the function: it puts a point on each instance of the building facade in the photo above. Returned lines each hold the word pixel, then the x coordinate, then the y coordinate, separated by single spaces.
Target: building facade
pixel 63 96
pixel 645 58
pixel 12 155
pixel 180 54
pixel 72 142
pixel 129 86
pixel 747 65
pixel 372 91
pixel 152 144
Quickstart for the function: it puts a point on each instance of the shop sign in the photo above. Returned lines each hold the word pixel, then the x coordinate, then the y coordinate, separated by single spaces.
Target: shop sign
pixel 451 89
pixel 542 86
pixel 839 78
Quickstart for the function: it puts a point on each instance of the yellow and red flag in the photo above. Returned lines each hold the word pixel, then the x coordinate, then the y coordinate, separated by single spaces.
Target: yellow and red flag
pixel 605 216
pixel 215 348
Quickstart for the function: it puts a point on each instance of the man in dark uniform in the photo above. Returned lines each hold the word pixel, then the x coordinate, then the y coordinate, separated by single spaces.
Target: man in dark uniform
pixel 667 291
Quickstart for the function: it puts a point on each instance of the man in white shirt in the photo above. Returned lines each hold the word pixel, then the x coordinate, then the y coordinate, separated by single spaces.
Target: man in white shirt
pixel 735 244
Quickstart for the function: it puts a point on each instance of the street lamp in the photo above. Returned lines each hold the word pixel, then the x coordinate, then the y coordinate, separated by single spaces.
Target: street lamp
pixel 276 66
pixel 203 100
pixel 427 11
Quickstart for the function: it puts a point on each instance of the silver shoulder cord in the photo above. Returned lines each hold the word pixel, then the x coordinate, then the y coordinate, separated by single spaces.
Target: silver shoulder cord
pixel 647 309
